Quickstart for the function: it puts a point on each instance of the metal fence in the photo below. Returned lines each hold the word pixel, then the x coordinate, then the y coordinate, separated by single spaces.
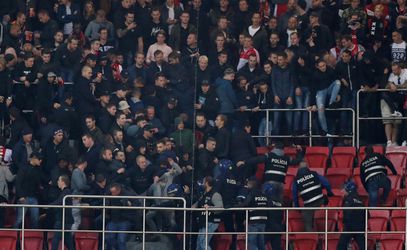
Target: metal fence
pixel 288 234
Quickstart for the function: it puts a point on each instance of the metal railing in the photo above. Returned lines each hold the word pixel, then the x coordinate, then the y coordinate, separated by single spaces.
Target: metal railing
pixel 289 235
pixel 358 118
pixel 310 136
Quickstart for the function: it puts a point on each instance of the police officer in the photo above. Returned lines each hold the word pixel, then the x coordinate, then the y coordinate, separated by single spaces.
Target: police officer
pixel 308 184
pixel 209 199
pixel 275 217
pixel 228 186
pixel 373 175
pixel 276 165
pixel 257 218
pixel 353 220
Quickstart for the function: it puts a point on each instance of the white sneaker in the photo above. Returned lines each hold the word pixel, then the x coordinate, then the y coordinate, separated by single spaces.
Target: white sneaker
pixel 404 144
pixel 394 144
pixel 328 135
pixel 389 143
pixel 396 114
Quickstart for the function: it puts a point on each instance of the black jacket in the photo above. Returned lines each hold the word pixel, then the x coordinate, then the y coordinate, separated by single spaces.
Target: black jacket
pixel 242 146
pixel 28 181
pixel 210 103
pixel 85 100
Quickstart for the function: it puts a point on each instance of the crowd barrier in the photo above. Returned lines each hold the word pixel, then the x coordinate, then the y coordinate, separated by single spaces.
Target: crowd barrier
pixel 288 234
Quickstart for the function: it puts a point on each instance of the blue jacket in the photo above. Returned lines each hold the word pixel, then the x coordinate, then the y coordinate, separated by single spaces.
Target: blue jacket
pixel 282 82
pixel 227 96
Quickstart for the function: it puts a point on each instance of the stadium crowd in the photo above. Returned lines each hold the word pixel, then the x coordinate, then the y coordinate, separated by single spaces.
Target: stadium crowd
pixel 162 97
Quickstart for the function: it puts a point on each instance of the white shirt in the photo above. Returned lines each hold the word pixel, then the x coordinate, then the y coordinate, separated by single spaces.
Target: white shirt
pixel 400 79
pixel 253 31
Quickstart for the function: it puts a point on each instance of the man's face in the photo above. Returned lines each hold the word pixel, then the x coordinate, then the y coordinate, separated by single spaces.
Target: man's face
pixel 105 99
pixel 142 163
pixel 210 146
pixel 205 88
pixel 46 58
pixel 103 34
pixel 112 110
pixel 294 39
pixel 218 122
pixel 252 61
pixel 243 6
pixel 396 69
pixel 43 18
pixel 274 39
pixel 90 123
pixel 96 46
pixel 88 74
pixel 281 61
pixel 396 37
pixel 256 19
pixel 223 58
pixel 160 147
pixel 118 137
pixel 159 58
pixel 59 37
pixel 29 62
pixel 223 24
pixel 115 191
pixel 150 113
pixel 140 59
pixel 108 155
pixel 87 141
pixel 59 137
pixel 60 183
pixel 346 57
pixel 121 120
pixel 120 156
pixel 322 66
pixel 203 64
pixel 129 18
pixel 263 88
pixel 292 23
pixel 126 4
pixel 200 121
pixel 27 138
pixel 223 3
pixel 267 68
pixel 346 43
pixel 155 15
pixel 73 45
pixel 184 18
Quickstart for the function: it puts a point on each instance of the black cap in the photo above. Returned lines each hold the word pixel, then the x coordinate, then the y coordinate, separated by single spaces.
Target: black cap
pixel 104 93
pixel 103 56
pixel 26 131
pixel 123 87
pixel 124 73
pixel 205 82
pixel 148 127
pixel 9 57
pixel 91 57
pixel 172 101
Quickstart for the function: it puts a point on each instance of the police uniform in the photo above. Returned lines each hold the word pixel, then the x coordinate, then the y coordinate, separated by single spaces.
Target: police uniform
pixel 275 223
pixel 308 184
pixel 206 199
pixel 353 220
pixel 373 174
pixel 257 219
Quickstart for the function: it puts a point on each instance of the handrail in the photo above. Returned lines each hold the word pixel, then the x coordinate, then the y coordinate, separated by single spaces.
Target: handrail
pixel 310 136
pixel 207 210
pixel 358 118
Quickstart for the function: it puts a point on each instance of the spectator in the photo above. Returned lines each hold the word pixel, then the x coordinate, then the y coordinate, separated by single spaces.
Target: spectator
pixel 141 175
pixel 28 183
pixel 23 149
pixel 49 28
pixel 93 130
pixel 226 94
pixel 222 137
pixel 180 32
pixel 68 13
pixel 207 159
pixel 92 153
pixel 96 25
pixel 6 177
pixel 160 45
pixel 283 83
pixel 182 136
pixel 67 56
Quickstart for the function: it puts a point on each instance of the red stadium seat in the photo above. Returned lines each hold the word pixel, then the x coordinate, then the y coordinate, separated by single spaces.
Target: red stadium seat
pixel 392 241
pixel 401 197
pixel 379 214
pixel 241 242
pixel 337 199
pixel 291 152
pixel 398 156
pixel 260 172
pixel 395 181
pixel 333 240
pixel 362 155
pixel 262 150
pixel 86 241
pixel 32 240
pixel 319 220
pixel 222 241
pixel 317 156
pixel 338 176
pixel 10 217
pixel 8 240
pixel 295 222
pixel 305 242
pixel 376 225
pixel 320 171
pixel 343 157
pixel 398 220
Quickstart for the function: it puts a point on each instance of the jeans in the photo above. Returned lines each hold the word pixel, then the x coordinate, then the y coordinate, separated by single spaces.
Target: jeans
pixel 34 212
pixel 288 117
pixel 117 240
pixel 301 118
pixel 256 241
pixel 332 91
pixel 200 241
pixel 348 101
pixel 344 240
pixel 68 239
pixel 263 131
pixel 373 185
pixel 67 74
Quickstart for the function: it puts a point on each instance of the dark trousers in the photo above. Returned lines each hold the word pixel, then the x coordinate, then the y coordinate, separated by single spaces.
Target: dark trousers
pixel 373 185
pixel 346 238
pixel 68 239
pixel 308 215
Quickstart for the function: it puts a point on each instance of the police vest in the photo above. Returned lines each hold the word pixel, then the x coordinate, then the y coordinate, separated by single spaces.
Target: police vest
pixel 372 166
pixel 206 199
pixel 275 216
pixel 276 168
pixel 258 200
pixel 309 187
pixel 230 189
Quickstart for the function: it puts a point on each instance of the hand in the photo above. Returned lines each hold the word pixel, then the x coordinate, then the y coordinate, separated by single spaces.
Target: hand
pixel 393 87
pixel 6 18
pixel 216 161
pixel 344 82
pixel 298 92
pixel 57 105
pixel 276 100
pixel 170 161
pixel 156 179
pixel 129 149
pixel 201 146
pixel 197 106
pixel 312 108
pixel 1 99
pixel 256 109
pixel 242 108
pixel 9 101
pixel 240 163
pixel 186 189
pixel 21 200
pixel 92 177
pixel 189 167
pixel 27 84
pixel 206 206
pixel 121 170
pixel 131 26
pixel 289 101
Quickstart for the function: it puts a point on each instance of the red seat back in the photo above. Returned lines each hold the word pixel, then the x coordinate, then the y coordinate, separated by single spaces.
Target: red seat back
pixel 333 240
pixel 392 241
pixel 262 150
pixel 343 157
pixel 398 156
pixel 8 240
pixel 305 242
pixel 50 236
pixel 32 240
pixel 320 171
pixel 395 181
pixel 317 157
pixel 86 241
pixel 379 214
pixel 338 176
pixel 319 218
